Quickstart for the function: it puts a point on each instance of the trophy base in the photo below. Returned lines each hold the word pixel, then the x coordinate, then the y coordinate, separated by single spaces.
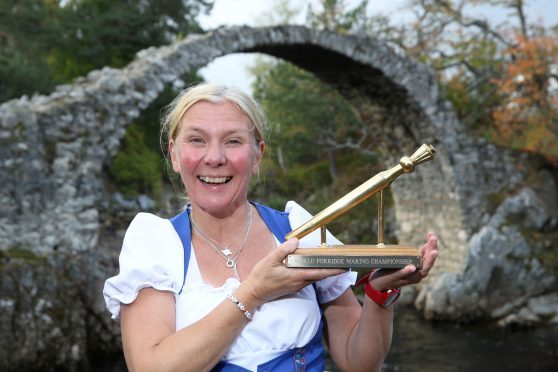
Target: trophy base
pixel 355 256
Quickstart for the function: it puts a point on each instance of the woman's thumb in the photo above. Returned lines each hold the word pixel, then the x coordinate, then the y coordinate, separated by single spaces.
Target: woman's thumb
pixel 287 248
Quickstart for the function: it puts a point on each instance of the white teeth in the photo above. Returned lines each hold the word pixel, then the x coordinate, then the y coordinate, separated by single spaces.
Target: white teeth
pixel 215 179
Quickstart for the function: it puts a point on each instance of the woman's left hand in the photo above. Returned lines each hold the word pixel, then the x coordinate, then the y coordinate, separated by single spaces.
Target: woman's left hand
pixel 410 274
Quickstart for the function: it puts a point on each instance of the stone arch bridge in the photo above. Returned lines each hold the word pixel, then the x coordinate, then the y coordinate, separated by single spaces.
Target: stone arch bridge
pixel 53 149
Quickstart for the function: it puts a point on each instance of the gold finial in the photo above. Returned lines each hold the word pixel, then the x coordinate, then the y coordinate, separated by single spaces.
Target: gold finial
pixel 423 154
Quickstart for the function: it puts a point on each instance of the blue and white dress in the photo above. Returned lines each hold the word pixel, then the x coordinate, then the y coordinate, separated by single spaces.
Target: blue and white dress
pixel 283 333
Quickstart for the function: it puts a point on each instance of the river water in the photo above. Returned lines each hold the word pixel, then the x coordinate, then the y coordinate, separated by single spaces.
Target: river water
pixel 420 345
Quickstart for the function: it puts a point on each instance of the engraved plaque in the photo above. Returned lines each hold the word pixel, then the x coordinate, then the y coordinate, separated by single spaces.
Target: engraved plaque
pixel 354 257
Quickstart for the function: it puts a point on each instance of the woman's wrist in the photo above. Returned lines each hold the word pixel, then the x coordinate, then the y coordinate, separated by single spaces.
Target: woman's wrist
pixel 240 306
pixel 246 294
pixel 373 280
pixel 383 297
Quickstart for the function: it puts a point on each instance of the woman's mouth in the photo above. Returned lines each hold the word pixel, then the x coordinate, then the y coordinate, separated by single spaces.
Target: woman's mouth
pixel 214 180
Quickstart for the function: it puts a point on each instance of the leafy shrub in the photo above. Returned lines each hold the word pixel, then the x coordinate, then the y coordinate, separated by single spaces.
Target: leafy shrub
pixel 136 168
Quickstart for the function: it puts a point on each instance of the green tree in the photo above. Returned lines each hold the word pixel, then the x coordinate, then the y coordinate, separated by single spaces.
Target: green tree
pixel 27 28
pixel 335 15
pixel 109 33
pixel 136 167
pixel 307 161
pixel 308 117
pixel 44 43
pixel 312 124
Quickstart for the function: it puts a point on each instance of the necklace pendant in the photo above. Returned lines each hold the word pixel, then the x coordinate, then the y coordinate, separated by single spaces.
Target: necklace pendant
pixel 226 251
pixel 231 263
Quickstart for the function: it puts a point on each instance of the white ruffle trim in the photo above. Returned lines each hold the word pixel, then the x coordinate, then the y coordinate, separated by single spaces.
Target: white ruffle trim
pixel 331 288
pixel 117 298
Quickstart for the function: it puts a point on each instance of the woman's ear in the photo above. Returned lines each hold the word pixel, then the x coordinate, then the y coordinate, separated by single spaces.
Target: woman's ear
pixel 174 156
pixel 259 155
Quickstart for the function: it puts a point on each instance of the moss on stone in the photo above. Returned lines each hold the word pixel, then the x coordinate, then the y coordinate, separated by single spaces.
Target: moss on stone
pixel 545 248
pixel 19 254
pixel 50 151
pixel 495 199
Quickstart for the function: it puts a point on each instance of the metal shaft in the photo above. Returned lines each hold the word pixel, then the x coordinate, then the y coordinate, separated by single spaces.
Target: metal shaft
pixel 381 217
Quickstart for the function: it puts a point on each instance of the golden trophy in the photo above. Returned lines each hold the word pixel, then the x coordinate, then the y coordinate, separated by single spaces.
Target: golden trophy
pixel 359 256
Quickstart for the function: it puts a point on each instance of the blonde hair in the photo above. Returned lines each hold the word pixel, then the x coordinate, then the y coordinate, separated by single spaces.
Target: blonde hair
pixel 175 111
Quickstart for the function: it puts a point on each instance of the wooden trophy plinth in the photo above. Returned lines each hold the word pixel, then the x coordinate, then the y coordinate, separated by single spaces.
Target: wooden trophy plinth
pixel 355 256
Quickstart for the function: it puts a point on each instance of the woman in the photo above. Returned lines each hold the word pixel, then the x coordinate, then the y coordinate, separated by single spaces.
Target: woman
pixel 208 289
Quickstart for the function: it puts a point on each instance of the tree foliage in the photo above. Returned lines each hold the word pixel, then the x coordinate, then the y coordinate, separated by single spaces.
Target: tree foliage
pixel 527 116
pixel 307 157
pixel 44 43
pixel 501 78
pixel 310 120
pixel 136 168
pixel 308 117
pixel 335 15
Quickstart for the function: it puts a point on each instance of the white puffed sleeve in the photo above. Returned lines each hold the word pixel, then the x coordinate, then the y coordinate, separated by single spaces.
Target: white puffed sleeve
pixel 151 256
pixel 330 288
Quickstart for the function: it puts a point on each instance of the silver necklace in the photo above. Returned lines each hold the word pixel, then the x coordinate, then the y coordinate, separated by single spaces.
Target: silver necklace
pixel 230 258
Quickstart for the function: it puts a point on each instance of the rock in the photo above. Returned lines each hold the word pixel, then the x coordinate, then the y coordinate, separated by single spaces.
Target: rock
pixel 545 306
pixel 146 203
pixel 502 278
pixel 408 295
pixel 526 208
pixel 523 319
pixel 124 203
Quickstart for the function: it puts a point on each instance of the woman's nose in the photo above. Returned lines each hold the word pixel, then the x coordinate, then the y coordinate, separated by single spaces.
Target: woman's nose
pixel 215 155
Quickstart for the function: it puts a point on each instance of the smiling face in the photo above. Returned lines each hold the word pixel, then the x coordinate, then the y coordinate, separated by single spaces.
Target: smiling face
pixel 216 154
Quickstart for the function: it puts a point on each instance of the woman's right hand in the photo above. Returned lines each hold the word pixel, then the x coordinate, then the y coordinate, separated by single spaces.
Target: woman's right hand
pixel 270 278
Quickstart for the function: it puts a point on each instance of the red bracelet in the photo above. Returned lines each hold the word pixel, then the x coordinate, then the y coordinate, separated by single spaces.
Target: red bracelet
pixel 383 298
